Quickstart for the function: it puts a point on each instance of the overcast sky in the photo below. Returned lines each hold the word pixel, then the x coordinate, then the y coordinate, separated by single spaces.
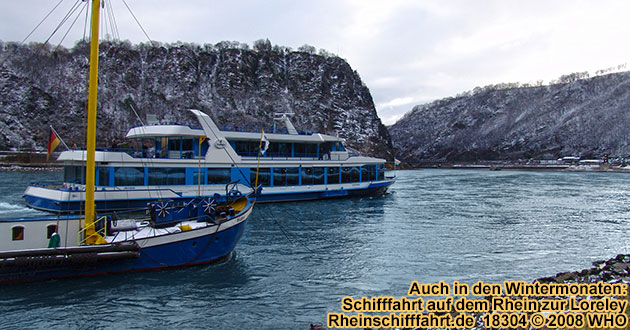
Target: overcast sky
pixel 407 52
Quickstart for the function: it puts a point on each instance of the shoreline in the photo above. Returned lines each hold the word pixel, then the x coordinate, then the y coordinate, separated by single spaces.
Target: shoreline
pixel 35 161
pixel 54 167
pixel 520 167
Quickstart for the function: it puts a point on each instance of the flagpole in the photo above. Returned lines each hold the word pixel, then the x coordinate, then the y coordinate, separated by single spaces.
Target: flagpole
pixel 201 139
pixel 262 134
pixel 59 137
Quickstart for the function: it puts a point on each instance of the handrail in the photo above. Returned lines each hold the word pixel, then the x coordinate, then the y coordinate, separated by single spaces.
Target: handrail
pixel 96 234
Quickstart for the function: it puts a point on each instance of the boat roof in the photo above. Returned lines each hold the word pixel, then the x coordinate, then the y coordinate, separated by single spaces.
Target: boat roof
pixel 172 130
pixel 151 131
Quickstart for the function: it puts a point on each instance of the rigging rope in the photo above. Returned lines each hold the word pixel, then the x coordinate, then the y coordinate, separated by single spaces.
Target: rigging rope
pixel 134 17
pixel 232 159
pixel 40 23
pixel 71 25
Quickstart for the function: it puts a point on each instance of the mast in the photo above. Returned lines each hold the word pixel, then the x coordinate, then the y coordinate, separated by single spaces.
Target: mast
pixel 91 127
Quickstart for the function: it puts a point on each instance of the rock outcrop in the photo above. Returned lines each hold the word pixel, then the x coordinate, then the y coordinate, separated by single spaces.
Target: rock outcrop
pixel 233 84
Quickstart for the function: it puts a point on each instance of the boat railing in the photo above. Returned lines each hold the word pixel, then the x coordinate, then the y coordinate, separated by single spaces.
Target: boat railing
pixel 256 129
pixel 100 229
pixel 177 123
pixel 149 152
pixel 47 184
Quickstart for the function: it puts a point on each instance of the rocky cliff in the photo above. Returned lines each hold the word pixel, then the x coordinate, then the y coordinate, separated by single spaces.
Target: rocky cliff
pixel 584 117
pixel 232 83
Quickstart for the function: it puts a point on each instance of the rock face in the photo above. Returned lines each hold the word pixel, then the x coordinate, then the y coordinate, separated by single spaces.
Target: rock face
pixel 614 270
pixel 234 85
pixel 587 118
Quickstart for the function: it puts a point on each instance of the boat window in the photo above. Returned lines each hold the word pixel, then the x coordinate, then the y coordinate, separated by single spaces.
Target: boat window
pixel 325 148
pixel 307 176
pixel 346 174
pixel 187 149
pixel 364 173
pixel 174 144
pixel 218 175
pixel 73 174
pixel 371 173
pixel 293 176
pixel 246 148
pixel 167 176
pixel 333 175
pixel 264 176
pixel 305 150
pixel 338 146
pixel 103 176
pixel 199 177
pixel 318 175
pixel 157 176
pixel 349 174
pixel 50 230
pixel 128 176
pixel 17 233
pixel 176 175
pixel 313 175
pixel 280 176
pixel 381 172
pixel 284 150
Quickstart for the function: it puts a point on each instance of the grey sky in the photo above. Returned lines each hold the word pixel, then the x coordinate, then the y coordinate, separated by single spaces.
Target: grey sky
pixel 407 52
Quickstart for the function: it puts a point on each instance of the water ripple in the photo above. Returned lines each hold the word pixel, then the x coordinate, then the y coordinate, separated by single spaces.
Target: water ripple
pixel 297 260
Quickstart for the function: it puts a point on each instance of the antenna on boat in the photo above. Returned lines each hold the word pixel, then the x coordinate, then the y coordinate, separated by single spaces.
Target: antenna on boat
pixel 284 116
pixel 134 111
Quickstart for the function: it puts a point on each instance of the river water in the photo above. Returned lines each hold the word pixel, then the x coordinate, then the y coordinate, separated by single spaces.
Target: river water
pixel 297 260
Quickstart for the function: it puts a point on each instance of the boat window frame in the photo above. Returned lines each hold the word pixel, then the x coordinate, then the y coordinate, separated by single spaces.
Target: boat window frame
pixel 334 173
pixel 264 176
pixel 117 178
pixel 48 232
pixel 17 233
pixel 225 173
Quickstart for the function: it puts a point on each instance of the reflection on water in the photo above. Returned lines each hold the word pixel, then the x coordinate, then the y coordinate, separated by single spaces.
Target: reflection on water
pixel 296 260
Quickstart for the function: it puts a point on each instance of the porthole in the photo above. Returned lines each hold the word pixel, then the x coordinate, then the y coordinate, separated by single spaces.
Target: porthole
pixel 17 233
pixel 50 230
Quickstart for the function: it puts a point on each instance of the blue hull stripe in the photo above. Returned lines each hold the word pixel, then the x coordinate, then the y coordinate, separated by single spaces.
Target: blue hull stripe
pixel 126 204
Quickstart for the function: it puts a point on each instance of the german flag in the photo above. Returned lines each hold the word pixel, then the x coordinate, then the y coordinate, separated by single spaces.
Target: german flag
pixel 53 142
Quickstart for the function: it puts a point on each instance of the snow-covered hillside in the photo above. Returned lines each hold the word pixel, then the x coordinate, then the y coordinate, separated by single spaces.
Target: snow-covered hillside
pixel 587 117
pixel 235 85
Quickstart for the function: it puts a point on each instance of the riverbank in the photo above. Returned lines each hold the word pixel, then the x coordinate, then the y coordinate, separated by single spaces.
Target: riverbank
pixel 522 166
pixel 35 161
pixel 613 271
pixel 28 161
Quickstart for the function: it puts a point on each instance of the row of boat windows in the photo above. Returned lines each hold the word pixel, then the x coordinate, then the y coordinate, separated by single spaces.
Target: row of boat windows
pixel 17 232
pixel 186 148
pixel 277 149
pixel 283 176
pixel 293 176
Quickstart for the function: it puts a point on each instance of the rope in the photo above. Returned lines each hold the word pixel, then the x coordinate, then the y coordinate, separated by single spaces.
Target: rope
pixel 71 25
pixel 275 221
pixel 232 159
pixel 40 23
pixel 134 17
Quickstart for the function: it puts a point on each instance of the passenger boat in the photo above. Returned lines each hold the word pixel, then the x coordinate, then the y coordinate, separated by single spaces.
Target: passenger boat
pixel 175 234
pixel 197 232
pixel 180 161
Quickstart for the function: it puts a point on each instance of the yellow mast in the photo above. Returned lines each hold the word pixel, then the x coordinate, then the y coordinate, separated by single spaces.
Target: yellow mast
pixel 91 128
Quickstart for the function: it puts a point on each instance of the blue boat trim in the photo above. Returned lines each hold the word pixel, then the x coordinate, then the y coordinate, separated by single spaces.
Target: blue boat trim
pixel 49 205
